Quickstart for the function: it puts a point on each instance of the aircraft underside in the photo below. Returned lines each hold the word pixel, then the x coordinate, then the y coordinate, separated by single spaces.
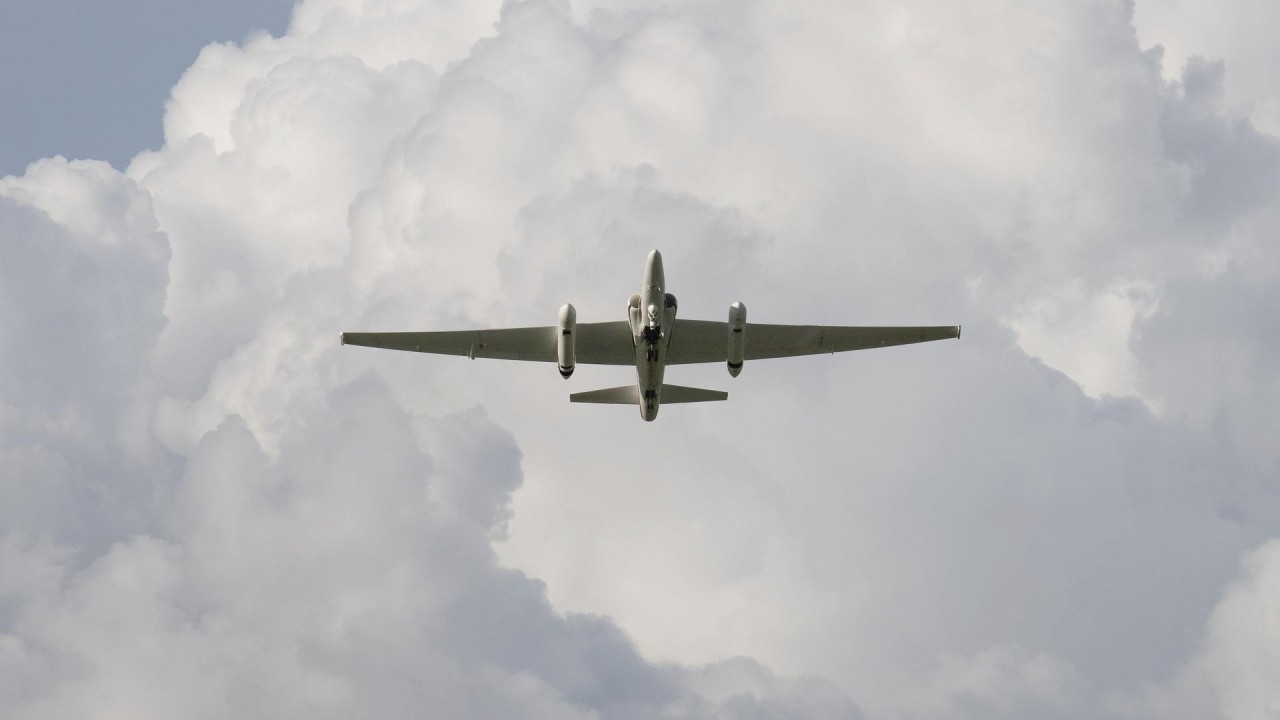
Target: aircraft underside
pixel 650 339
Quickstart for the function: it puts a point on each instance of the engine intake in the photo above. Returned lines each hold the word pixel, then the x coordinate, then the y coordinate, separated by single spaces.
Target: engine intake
pixel 737 337
pixel 567 327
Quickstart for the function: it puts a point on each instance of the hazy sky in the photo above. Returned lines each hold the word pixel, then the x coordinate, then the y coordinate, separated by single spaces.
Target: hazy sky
pixel 208 508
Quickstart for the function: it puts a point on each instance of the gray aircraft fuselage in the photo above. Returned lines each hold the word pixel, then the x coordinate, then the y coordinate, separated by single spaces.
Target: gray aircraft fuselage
pixel 652 313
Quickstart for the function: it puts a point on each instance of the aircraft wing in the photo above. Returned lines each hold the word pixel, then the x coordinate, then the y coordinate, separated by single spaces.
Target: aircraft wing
pixel 700 341
pixel 605 343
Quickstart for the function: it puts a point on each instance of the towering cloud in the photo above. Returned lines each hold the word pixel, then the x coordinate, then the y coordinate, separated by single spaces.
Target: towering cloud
pixel 211 509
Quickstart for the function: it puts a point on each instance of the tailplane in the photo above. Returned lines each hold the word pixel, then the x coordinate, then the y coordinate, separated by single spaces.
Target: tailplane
pixel 625 395
pixel 630 395
pixel 682 394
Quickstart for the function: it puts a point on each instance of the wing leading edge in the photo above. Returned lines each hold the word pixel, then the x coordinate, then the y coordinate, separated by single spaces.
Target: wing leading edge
pixel 702 341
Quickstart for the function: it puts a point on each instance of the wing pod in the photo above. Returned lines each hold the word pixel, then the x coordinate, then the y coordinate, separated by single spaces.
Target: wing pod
pixel 737 337
pixel 566 328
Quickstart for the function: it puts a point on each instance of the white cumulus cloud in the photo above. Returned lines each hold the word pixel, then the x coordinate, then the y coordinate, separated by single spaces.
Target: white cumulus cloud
pixel 210 509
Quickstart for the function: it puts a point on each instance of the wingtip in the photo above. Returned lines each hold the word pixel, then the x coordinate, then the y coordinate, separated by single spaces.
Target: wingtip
pixel 342 338
pixel 958 329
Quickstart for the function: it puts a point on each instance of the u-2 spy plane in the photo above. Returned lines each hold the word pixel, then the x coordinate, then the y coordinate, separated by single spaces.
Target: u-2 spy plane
pixel 650 339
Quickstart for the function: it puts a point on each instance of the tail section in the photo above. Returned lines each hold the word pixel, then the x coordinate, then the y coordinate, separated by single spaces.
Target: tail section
pixel 630 395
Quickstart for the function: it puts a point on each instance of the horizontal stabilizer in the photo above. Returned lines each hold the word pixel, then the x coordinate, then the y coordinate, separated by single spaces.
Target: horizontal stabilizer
pixel 630 395
pixel 682 394
pixel 625 395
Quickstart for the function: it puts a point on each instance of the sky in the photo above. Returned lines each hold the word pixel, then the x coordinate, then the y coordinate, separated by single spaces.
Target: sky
pixel 210 509
pixel 89 80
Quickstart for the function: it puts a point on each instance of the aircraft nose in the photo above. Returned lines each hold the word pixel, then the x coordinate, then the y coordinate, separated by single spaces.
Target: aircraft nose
pixel 654 255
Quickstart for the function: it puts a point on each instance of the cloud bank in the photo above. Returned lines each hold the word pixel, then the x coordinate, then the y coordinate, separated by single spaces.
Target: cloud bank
pixel 209 509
